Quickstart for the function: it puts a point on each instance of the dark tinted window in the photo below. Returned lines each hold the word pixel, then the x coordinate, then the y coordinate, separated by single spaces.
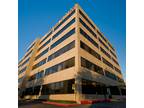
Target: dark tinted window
pixel 61 66
pixel 117 70
pixel 62 50
pixel 20 79
pixel 103 44
pixel 92 87
pixel 107 63
pixel 44 44
pixel 87 19
pixel 25 61
pixel 64 28
pixel 115 61
pixel 62 87
pixel 88 38
pixel 107 54
pixel 71 32
pixel 42 53
pixel 89 50
pixel 102 36
pixel 28 54
pixel 64 20
pixel 46 37
pixel 91 66
pixel 22 70
pixel 30 46
pixel 111 46
pixel 110 75
pixel 113 54
pixel 39 64
pixel 84 24
pixel 40 74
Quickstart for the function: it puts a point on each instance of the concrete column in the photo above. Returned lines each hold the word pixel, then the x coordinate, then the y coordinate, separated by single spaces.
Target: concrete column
pixel 120 91
pixel 78 89
pixel 77 59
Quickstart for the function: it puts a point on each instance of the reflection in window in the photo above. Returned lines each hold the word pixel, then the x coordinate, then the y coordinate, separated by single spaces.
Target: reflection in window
pixel 62 50
pixel 64 28
pixel 89 38
pixel 42 53
pixel 107 63
pixel 91 66
pixel 39 64
pixel 62 87
pixel 67 35
pixel 107 54
pixel 89 50
pixel 87 27
pixel 61 66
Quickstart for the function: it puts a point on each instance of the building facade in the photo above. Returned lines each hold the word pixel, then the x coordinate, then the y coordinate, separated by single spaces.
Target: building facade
pixel 74 61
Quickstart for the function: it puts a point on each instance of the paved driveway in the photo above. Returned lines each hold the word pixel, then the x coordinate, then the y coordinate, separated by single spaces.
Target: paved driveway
pixel 98 105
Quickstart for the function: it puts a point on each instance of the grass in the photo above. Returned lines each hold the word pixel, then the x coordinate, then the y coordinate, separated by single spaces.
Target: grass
pixel 62 101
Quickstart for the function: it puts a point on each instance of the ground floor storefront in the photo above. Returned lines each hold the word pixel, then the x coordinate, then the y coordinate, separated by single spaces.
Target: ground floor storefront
pixel 69 90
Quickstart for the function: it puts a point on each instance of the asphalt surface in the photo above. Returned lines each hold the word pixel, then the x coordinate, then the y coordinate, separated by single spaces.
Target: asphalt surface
pixel 98 105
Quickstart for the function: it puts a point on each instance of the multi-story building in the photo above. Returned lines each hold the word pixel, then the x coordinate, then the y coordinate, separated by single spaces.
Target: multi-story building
pixel 74 61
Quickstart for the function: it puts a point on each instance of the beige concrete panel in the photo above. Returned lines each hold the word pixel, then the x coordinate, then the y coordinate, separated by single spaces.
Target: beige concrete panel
pixel 94 76
pixel 65 32
pixel 68 97
pixel 60 76
pixel 55 61
pixel 91 58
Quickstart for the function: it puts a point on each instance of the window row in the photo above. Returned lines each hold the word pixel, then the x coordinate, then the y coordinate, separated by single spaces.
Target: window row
pixel 86 19
pixel 20 79
pixel 28 54
pixel 89 38
pixel 102 36
pixel 61 66
pixel 111 46
pixel 62 50
pixel 113 54
pixel 103 44
pixel 119 71
pixel 30 46
pixel 64 20
pixel 22 70
pixel 42 62
pixel 67 35
pixel 115 61
pixel 64 28
pixel 91 66
pixel 25 61
pixel 93 87
pixel 20 61
pixel 87 27
pixel 89 50
pixel 37 76
pixel 42 53
pixel 110 75
pixel 107 63
pixel 46 37
pixel 62 87
pixel 120 80
pixel 107 54
pixel 44 44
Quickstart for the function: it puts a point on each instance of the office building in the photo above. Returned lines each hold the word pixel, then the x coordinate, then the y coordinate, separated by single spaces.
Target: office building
pixel 74 61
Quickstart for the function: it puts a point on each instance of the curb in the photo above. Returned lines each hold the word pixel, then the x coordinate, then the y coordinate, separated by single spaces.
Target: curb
pixel 60 104
pixel 95 101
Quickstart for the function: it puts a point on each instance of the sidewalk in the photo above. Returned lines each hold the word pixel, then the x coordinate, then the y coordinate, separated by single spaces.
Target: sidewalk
pixel 60 104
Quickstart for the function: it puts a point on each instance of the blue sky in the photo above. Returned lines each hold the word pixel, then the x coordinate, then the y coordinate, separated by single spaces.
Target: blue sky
pixel 36 17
